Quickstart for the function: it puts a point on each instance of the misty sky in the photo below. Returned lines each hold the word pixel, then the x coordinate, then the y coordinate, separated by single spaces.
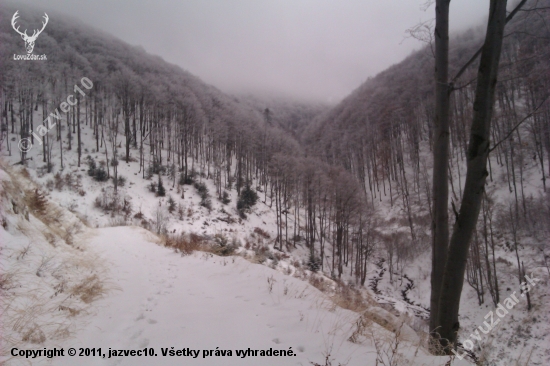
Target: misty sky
pixel 308 49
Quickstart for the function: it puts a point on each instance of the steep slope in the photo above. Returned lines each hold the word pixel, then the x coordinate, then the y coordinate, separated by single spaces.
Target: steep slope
pixel 116 289
pixel 381 134
pixel 397 104
pixel 49 277
pixel 143 84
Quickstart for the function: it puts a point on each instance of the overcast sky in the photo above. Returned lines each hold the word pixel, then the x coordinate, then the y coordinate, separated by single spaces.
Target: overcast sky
pixel 308 49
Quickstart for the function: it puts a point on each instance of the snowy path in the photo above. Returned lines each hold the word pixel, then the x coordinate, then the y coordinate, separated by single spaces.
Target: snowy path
pixel 203 302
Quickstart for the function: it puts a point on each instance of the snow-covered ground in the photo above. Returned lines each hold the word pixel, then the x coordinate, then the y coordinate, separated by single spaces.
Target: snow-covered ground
pixel 146 290
pixel 205 302
pixel 152 297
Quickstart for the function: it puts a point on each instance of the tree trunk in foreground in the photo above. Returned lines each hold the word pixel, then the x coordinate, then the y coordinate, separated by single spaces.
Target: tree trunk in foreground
pixel 440 216
pixel 478 151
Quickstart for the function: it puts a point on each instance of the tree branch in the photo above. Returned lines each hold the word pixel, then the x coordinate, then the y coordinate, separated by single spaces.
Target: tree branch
pixel 518 124
pixel 476 55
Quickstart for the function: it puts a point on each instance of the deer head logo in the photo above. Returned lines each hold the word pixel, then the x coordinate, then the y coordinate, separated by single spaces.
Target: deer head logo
pixel 29 40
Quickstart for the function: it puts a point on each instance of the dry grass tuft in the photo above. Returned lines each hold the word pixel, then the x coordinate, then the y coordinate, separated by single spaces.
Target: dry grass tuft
pixel 34 334
pixel 261 232
pixel 350 298
pixel 50 238
pixel 71 311
pixel 23 252
pixel 319 282
pixel 184 244
pixel 89 289
pixel 387 349
pixel 189 243
pixel 7 281
pixel 35 274
pixel 71 231
pixel 24 322
pixel 37 202
pixel 25 173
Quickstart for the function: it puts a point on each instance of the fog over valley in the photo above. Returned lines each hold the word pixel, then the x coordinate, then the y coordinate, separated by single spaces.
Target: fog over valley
pixel 316 50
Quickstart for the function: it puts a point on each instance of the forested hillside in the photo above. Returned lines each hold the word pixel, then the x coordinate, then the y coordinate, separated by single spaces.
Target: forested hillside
pixel 388 120
pixel 138 101
pixel 152 101
pixel 382 133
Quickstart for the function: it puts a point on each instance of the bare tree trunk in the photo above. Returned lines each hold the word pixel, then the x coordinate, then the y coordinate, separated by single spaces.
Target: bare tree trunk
pixel 478 151
pixel 79 142
pixel 440 215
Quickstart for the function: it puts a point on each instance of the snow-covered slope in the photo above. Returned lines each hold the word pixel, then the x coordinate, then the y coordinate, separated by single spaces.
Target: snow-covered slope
pixel 49 278
pixel 118 288
pixel 73 190
pixel 205 302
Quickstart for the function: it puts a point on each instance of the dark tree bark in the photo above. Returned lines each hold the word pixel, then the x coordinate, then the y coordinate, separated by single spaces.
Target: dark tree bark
pixel 79 142
pixel 440 216
pixel 478 151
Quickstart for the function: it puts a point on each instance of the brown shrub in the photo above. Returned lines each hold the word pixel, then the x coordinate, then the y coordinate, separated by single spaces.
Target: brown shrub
pixel 262 232
pixel 184 244
pixel 89 289
pixel 37 202
pixel 350 298
pixel 33 334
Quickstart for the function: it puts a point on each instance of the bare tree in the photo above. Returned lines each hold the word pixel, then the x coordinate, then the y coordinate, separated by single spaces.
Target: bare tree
pixel 440 216
pixel 444 319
